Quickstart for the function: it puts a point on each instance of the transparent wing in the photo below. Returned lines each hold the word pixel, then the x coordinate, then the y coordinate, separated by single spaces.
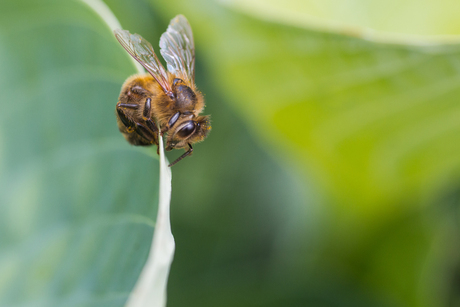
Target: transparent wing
pixel 142 51
pixel 178 49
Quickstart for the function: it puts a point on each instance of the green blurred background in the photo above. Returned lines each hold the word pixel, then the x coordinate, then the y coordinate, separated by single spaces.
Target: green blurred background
pixel 330 178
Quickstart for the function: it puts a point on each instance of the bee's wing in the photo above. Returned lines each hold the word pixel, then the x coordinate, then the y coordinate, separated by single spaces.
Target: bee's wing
pixel 142 51
pixel 178 49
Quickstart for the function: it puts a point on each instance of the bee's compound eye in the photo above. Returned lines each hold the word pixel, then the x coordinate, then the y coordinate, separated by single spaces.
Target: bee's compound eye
pixel 187 129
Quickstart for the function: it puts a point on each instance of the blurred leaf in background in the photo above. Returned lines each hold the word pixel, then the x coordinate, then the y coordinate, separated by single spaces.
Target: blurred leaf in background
pixel 330 177
pixel 374 129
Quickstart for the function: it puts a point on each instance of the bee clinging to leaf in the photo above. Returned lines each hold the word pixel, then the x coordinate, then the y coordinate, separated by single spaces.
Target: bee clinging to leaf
pixel 162 102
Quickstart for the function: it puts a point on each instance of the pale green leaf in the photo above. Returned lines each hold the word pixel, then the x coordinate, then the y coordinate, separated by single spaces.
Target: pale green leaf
pixel 150 289
pixel 78 203
pixel 415 21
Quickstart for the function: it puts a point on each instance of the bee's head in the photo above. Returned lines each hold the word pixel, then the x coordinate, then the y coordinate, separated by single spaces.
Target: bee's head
pixel 188 131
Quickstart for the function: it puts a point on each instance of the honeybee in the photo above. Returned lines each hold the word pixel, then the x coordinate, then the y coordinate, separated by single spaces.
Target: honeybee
pixel 162 101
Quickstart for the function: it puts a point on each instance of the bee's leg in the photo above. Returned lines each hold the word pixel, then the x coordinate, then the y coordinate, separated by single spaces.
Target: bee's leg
pixel 128 105
pixel 171 122
pixel 127 122
pixel 146 116
pixel 146 137
pixel 146 133
pixel 187 153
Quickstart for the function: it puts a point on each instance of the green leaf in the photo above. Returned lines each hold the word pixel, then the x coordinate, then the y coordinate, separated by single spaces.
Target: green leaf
pixel 150 289
pixel 76 220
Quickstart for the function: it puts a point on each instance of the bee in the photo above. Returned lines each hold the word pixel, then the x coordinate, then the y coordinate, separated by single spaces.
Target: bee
pixel 162 102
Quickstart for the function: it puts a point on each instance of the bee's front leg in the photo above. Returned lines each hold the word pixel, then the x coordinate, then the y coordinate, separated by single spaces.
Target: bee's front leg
pixel 185 154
